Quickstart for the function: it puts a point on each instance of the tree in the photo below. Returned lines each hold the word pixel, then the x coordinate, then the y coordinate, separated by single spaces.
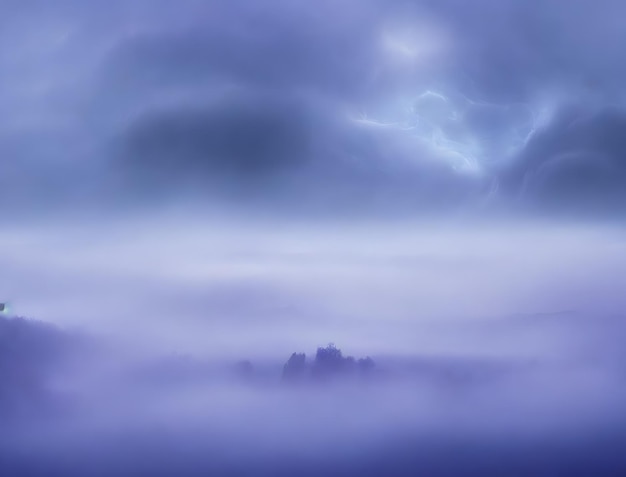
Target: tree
pixel 330 361
pixel 366 364
pixel 295 367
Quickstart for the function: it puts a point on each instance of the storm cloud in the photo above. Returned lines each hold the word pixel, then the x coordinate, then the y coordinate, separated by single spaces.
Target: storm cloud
pixel 407 105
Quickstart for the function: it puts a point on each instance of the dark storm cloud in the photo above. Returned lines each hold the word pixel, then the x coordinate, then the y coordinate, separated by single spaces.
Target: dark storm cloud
pixel 243 134
pixel 561 62
pixel 171 91
pixel 577 163
pixel 280 45
pixel 259 92
pixel 514 50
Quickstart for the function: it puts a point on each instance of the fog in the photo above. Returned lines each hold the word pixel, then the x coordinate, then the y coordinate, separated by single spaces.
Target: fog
pixel 210 285
pixel 504 340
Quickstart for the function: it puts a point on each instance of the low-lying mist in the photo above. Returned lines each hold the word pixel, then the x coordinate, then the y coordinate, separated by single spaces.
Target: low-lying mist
pixel 94 408
pixel 168 345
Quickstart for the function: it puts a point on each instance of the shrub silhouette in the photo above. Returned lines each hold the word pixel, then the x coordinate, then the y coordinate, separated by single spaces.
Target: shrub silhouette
pixel 329 363
pixel 244 369
pixel 366 364
pixel 295 367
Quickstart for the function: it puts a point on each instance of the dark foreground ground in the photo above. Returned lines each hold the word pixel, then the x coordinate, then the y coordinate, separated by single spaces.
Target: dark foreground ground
pixel 598 457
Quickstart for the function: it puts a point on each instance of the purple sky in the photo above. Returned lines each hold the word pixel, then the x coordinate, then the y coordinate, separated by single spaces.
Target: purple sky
pixel 290 107
pixel 334 158
pixel 440 182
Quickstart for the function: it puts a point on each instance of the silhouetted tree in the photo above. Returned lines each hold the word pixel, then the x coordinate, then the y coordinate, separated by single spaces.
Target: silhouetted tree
pixel 330 362
pixel 245 369
pixel 295 367
pixel 330 354
pixel 366 364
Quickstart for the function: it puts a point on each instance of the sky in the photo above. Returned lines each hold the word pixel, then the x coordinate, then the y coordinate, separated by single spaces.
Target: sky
pixel 424 181
pixel 369 107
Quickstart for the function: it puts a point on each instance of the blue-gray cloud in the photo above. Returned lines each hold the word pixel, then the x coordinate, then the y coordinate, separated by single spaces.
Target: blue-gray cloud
pixel 421 103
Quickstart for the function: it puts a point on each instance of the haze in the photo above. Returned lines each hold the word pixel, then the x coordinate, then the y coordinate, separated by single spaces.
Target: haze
pixel 194 190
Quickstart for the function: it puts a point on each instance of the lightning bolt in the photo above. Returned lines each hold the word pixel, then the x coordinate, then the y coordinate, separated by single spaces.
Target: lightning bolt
pixel 444 123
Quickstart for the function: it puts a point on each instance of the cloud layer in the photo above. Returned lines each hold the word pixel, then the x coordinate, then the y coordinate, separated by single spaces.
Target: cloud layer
pixel 407 105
